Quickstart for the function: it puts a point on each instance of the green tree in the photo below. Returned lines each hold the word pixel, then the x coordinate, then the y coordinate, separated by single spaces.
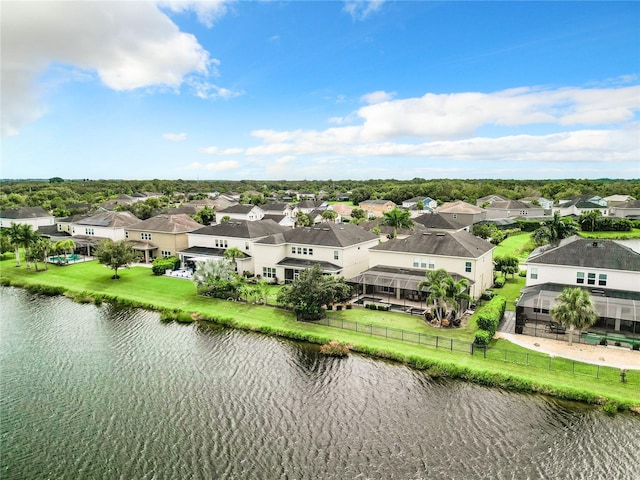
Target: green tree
pixel 205 216
pixel 457 293
pixel 115 255
pixel 437 286
pixel 588 220
pixel 397 218
pixel 233 254
pixel 574 309
pixel 358 214
pixel 303 220
pixel 5 242
pixel 311 290
pixel 507 264
pixel 64 247
pixel 329 216
pixel 16 232
pixel 555 229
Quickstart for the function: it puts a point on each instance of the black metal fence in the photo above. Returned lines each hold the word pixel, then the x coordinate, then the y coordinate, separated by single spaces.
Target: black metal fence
pixel 527 359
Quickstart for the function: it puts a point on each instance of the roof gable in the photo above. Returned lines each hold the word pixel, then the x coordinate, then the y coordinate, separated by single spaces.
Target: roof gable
pixel 324 234
pixel 242 229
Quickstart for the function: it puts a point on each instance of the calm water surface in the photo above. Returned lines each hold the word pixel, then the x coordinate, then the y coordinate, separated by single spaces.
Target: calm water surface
pixel 102 393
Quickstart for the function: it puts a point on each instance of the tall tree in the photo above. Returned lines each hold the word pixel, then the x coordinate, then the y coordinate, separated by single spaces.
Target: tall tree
pixel 555 229
pixel 574 309
pixel 397 218
pixel 115 255
pixel 436 285
pixel 457 292
pixel 588 220
pixel 15 233
pixel 233 254
pixel 29 237
pixel 329 216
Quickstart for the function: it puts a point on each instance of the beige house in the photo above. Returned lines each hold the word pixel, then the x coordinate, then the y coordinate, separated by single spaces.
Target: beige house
pixel 340 249
pixel 161 236
pixel 627 209
pixel 376 208
pixel 399 265
pixel 512 209
pixel 463 212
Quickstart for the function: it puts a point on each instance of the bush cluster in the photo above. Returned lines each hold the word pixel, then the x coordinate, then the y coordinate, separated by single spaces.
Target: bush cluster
pixel 498 282
pixel 529 225
pixel 488 318
pixel 335 349
pixel 160 265
pixel 373 306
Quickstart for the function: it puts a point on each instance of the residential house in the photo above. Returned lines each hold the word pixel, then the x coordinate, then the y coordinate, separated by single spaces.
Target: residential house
pixel 284 220
pixel 120 200
pixel 489 199
pixel 581 204
pixel 307 195
pixel 387 232
pixel 463 212
pixel 399 265
pixel 34 216
pixel 376 208
pixel 512 209
pixel 208 202
pixel 630 208
pixel 101 225
pixel 241 212
pixel 307 206
pixel 615 200
pixel 541 201
pixel 435 221
pixel 428 203
pixel 608 270
pixel 161 236
pixel 212 242
pixel 343 211
pixel 340 249
pixel 280 208
pixel 343 197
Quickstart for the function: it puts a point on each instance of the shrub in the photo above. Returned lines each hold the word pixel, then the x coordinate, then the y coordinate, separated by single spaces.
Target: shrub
pixel 335 349
pixel 160 265
pixel 499 282
pixel 489 316
pixel 483 337
pixel 610 408
pixel 522 273
pixel 487 295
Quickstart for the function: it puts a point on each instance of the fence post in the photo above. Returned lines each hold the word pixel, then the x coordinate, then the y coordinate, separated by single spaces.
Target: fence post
pixel 527 359
pixel 437 341
pixel 597 371
pixel 452 344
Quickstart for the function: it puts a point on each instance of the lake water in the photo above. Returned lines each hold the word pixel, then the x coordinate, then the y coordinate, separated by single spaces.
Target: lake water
pixel 102 393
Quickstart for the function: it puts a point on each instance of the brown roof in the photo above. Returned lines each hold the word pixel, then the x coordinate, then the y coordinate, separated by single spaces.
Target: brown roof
pixel 165 223
pixel 459 207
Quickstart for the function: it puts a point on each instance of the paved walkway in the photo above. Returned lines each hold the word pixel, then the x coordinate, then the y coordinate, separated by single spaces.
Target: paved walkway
pixel 508 322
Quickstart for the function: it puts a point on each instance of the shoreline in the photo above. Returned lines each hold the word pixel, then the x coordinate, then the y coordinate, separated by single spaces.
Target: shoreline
pixel 434 363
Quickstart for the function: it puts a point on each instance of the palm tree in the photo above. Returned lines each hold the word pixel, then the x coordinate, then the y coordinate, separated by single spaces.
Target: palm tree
pixel 457 292
pixel 589 219
pixel 28 238
pixel 15 237
pixel 574 309
pixel 232 254
pixel 329 216
pixel 436 285
pixel 397 218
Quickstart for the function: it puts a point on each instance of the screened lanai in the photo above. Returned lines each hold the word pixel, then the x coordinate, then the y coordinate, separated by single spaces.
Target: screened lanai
pixel 619 311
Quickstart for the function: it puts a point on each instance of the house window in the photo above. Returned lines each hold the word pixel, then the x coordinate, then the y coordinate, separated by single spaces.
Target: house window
pixel 311 251
pixel 226 243
pixel 432 264
pixel 246 245
pixel 304 251
pixel 455 215
pixel 534 273
pixel 88 231
pixel 467 267
pixel 165 253
pixel 602 279
pixel 591 279
pixel 145 236
pixel 268 272
pixel 293 250
pixel 336 254
pixel 299 250
pixel 126 234
pixel 423 263
pixel 580 277
pixel 416 262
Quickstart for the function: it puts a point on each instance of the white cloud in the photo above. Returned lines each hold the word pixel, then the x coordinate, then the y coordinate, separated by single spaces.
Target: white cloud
pixel 129 45
pixel 220 151
pixel 207 11
pixel 361 9
pixel 223 166
pixel 205 90
pixel 175 137
pixel 377 97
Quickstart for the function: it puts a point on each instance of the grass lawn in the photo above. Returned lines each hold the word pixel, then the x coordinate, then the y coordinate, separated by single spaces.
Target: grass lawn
pixel 139 285
pixel 511 290
pixel 634 233
pixel 517 245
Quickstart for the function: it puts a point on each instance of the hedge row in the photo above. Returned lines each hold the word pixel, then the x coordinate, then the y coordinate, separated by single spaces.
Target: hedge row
pixel 161 265
pixel 488 318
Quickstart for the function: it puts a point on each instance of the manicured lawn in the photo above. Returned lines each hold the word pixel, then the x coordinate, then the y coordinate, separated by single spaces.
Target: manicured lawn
pixel 138 284
pixel 634 233
pixel 517 245
pixel 511 290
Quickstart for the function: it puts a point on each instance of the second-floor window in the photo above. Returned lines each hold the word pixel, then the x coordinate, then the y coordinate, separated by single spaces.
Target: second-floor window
pixel 467 267
pixel 580 277
pixel 88 231
pixel 534 273
pixel 602 279
pixel 591 279
pixel 145 236
pixel 336 255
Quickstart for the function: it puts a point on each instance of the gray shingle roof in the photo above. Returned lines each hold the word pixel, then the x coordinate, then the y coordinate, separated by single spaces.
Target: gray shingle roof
pixel 165 223
pixel 588 253
pixel 434 220
pixel 510 205
pixel 110 219
pixel 240 208
pixel 446 244
pixel 323 234
pixel 24 212
pixel 459 207
pixel 242 229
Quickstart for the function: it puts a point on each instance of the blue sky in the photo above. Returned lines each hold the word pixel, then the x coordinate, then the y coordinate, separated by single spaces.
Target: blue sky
pixel 320 90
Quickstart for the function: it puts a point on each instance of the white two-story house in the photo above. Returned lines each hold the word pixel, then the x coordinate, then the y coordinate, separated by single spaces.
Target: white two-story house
pixel 340 249
pixel 608 270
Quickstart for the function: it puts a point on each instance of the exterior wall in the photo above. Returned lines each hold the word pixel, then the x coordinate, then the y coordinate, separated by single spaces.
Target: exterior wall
pixel 253 215
pixel 34 222
pixel 567 275
pixel 623 212
pixel 481 268
pixel 573 210
pixel 465 218
pixel 170 243
pixel 353 259
pixel 114 234
pixel 512 213
pixel 376 209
